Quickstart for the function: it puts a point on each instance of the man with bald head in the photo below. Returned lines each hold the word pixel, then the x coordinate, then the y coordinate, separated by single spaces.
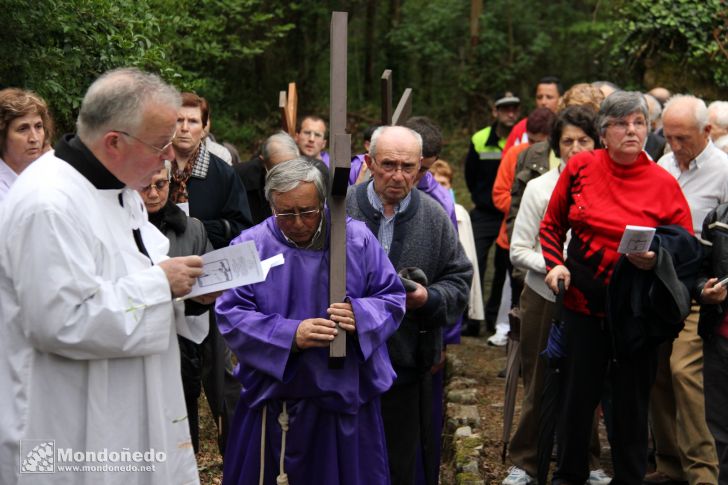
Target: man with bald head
pixel 423 247
pixel 277 148
pixel 661 94
pixel 685 449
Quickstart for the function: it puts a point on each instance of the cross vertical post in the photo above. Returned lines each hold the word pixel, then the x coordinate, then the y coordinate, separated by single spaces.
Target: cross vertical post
pixel 339 169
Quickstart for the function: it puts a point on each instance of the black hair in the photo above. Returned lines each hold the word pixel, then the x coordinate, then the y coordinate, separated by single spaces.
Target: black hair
pixel 552 80
pixel 579 116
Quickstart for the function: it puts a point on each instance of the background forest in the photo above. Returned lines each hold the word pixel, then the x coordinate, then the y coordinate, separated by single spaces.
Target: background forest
pixel 454 53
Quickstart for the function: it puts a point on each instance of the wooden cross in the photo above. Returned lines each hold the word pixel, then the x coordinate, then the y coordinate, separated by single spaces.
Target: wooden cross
pixel 288 104
pixel 340 165
pixel 404 107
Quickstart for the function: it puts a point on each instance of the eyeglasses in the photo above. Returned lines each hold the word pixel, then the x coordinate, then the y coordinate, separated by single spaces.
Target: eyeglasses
pixel 311 133
pixel 623 125
pixel 306 216
pixel 407 168
pixel 159 185
pixel 155 148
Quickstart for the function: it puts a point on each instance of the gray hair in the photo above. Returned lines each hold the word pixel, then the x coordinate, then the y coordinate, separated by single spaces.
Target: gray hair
pixel 116 101
pixel 722 143
pixel 279 143
pixel 700 111
pixel 720 109
pixel 168 168
pixel 286 176
pixel 620 104
pixel 654 106
pixel 378 132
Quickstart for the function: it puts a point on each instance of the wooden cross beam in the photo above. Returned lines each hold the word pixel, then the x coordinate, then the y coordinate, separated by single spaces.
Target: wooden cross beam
pixel 386 94
pixel 404 107
pixel 288 104
pixel 340 165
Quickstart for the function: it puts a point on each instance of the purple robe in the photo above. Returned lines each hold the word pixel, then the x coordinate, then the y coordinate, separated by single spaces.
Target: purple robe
pixel 429 185
pixel 356 163
pixel 450 333
pixel 325 158
pixel 335 431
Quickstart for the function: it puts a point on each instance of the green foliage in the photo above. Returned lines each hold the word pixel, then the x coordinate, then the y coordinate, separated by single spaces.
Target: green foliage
pixel 57 47
pixel 214 43
pixel 682 41
pixel 240 53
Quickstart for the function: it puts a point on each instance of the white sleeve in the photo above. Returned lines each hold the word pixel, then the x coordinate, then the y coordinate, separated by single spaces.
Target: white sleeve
pixel 524 239
pixel 69 308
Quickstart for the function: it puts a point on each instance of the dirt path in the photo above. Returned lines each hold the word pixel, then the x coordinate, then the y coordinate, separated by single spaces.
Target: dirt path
pixel 477 361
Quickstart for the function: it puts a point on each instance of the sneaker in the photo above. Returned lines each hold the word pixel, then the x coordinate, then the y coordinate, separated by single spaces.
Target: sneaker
pixel 598 477
pixel 498 340
pixel 516 476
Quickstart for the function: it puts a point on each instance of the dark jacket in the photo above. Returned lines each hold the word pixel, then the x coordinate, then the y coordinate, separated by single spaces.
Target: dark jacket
pixel 481 167
pixel 252 175
pixel 532 162
pixel 645 308
pixel 424 238
pixel 655 146
pixel 187 237
pixel 715 265
pixel 218 199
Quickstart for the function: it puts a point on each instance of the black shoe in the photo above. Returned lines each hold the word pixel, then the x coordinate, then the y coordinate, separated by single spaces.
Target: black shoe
pixel 471 328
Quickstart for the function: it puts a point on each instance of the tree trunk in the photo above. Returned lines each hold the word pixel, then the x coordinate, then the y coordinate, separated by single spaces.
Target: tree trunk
pixel 369 22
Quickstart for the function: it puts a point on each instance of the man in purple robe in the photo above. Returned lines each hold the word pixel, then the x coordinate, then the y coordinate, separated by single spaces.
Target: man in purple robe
pixel 326 424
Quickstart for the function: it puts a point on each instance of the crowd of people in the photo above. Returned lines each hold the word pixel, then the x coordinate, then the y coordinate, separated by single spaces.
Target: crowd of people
pixel 104 359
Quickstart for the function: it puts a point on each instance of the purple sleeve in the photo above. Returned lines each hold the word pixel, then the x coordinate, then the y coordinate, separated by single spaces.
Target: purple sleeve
pixel 260 341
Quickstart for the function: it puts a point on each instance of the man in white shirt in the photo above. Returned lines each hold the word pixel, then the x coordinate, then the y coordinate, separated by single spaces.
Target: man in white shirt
pixel 89 361
pixel 685 449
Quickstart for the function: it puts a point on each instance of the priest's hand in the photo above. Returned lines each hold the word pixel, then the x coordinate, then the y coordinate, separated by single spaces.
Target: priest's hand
pixel 207 299
pixel 315 332
pixel 181 273
pixel 417 298
pixel 343 314
pixel 713 293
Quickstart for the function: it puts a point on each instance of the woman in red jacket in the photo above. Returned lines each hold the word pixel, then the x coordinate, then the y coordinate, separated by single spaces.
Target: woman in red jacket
pixel 597 195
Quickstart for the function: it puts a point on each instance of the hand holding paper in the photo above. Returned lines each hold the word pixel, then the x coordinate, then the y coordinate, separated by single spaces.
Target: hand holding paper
pixel 230 267
pixel 636 239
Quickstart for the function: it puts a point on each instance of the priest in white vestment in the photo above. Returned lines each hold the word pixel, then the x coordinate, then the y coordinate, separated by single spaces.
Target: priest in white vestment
pixel 89 360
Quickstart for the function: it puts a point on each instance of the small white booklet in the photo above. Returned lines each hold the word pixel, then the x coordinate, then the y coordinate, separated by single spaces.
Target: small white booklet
pixel 636 239
pixel 232 266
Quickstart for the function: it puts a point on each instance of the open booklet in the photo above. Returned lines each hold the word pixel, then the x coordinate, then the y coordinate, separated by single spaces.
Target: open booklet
pixel 636 239
pixel 232 266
